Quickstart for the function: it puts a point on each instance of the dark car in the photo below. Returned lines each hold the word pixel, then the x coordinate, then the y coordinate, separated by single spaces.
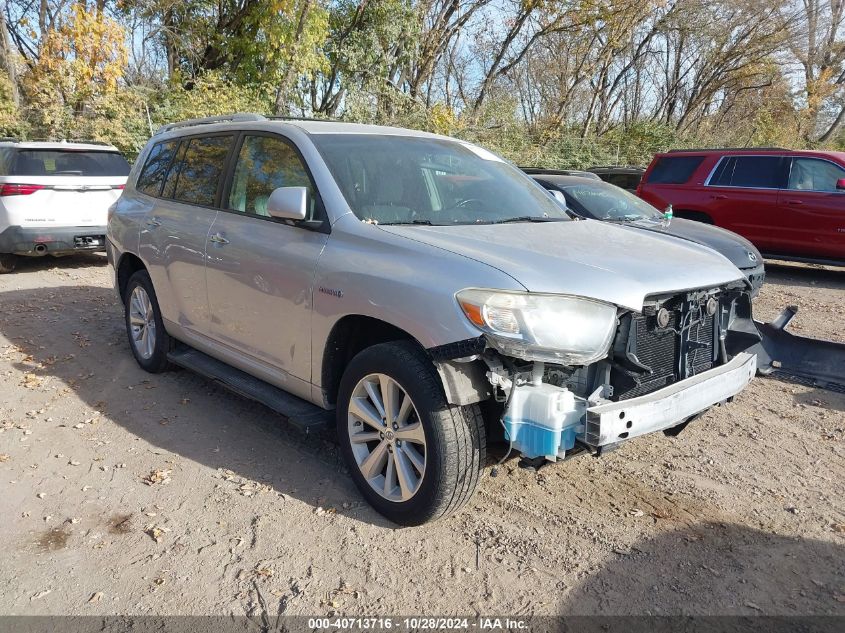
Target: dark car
pixel 626 177
pixel 542 171
pixel 599 200
pixel 790 204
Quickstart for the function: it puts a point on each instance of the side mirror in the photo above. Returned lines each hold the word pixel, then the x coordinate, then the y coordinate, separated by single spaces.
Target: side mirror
pixel 288 203
pixel 557 195
pixel 840 184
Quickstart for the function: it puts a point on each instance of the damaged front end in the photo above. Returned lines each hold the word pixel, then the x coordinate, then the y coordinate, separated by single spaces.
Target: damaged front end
pixel 662 367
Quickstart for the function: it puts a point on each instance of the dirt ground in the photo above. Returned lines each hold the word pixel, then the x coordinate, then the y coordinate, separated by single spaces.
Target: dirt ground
pixel 127 493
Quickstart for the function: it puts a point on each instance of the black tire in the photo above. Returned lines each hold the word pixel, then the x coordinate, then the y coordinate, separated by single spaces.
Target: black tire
pixel 455 437
pixel 157 362
pixel 8 261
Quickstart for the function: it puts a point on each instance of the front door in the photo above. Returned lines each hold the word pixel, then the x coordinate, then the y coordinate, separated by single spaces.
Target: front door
pixel 260 270
pixel 815 209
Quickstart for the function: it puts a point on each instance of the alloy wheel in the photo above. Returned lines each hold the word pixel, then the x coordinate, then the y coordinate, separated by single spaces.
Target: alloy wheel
pixel 142 322
pixel 387 437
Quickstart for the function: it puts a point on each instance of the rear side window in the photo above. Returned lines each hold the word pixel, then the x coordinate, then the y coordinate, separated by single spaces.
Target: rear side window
pixel 155 169
pixel 674 170
pixel 198 172
pixel 43 162
pixel 758 172
pixel 812 174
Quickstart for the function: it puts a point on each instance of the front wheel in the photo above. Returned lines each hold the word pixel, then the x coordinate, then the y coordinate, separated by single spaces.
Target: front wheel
pixel 413 456
pixel 8 261
pixel 148 340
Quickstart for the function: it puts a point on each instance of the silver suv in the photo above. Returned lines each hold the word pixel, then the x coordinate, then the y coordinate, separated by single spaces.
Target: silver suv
pixel 420 293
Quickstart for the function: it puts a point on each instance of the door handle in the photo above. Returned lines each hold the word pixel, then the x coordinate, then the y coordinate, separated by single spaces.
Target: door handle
pixel 217 238
pixel 153 221
pixel 720 197
pixel 794 203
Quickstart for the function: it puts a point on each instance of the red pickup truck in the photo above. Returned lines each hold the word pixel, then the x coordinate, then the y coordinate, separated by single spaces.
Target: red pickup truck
pixel 789 204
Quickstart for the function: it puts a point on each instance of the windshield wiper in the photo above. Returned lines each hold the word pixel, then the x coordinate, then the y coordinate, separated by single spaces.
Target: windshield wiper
pixel 528 218
pixel 423 222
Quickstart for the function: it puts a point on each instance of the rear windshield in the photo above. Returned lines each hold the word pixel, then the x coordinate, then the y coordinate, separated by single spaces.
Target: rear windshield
pixel 50 162
pixel 674 170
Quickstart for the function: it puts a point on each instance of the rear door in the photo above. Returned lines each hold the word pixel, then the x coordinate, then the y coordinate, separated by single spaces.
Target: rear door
pixel 260 270
pixel 184 179
pixel 815 209
pixel 743 197
pixel 61 187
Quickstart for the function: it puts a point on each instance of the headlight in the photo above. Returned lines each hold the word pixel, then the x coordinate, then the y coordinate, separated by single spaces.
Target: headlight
pixel 554 328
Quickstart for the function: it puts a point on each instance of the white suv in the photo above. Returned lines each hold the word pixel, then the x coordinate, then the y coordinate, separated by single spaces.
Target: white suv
pixel 54 197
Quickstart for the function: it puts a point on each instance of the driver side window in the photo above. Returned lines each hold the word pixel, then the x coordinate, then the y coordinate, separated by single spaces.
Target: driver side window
pixel 265 163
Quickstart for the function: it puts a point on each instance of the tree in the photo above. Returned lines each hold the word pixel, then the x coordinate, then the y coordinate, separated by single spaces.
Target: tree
pixel 816 31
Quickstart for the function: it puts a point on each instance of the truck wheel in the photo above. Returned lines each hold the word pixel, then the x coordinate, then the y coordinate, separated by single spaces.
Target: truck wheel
pixel 147 338
pixel 413 456
pixel 8 261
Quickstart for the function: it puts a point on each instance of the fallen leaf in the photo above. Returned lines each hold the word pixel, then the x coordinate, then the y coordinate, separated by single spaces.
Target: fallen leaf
pixel 31 381
pixel 41 495
pixel 156 533
pixel 157 477
pixel 95 597
pixel 4 457
pixel 40 594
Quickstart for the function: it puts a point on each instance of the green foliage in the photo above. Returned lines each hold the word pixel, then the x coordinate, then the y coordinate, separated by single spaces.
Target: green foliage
pixel 593 84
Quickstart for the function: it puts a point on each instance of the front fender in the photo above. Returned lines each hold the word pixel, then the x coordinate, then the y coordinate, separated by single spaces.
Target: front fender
pixel 369 272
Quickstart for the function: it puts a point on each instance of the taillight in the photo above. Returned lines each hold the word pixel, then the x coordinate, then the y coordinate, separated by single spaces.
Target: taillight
pixel 118 187
pixel 8 189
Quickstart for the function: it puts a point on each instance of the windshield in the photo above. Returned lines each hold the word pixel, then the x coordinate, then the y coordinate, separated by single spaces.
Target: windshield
pixel 41 162
pixel 413 180
pixel 607 202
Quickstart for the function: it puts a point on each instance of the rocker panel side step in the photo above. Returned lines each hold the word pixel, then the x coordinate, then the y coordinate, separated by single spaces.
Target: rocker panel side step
pixel 303 415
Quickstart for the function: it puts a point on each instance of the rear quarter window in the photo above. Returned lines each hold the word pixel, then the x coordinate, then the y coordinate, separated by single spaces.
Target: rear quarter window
pixel 155 169
pixel 674 170
pixel 6 155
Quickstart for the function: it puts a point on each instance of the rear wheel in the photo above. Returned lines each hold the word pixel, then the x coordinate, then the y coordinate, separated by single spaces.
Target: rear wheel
pixel 413 456
pixel 8 261
pixel 148 340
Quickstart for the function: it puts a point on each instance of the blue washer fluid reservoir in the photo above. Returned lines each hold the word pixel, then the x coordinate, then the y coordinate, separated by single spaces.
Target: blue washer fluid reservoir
pixel 541 420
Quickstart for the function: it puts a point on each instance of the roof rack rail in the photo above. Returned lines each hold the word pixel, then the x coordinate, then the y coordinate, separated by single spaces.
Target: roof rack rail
pixel 303 118
pixel 237 117
pixel 8 139
pixel 729 149
pixel 84 140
